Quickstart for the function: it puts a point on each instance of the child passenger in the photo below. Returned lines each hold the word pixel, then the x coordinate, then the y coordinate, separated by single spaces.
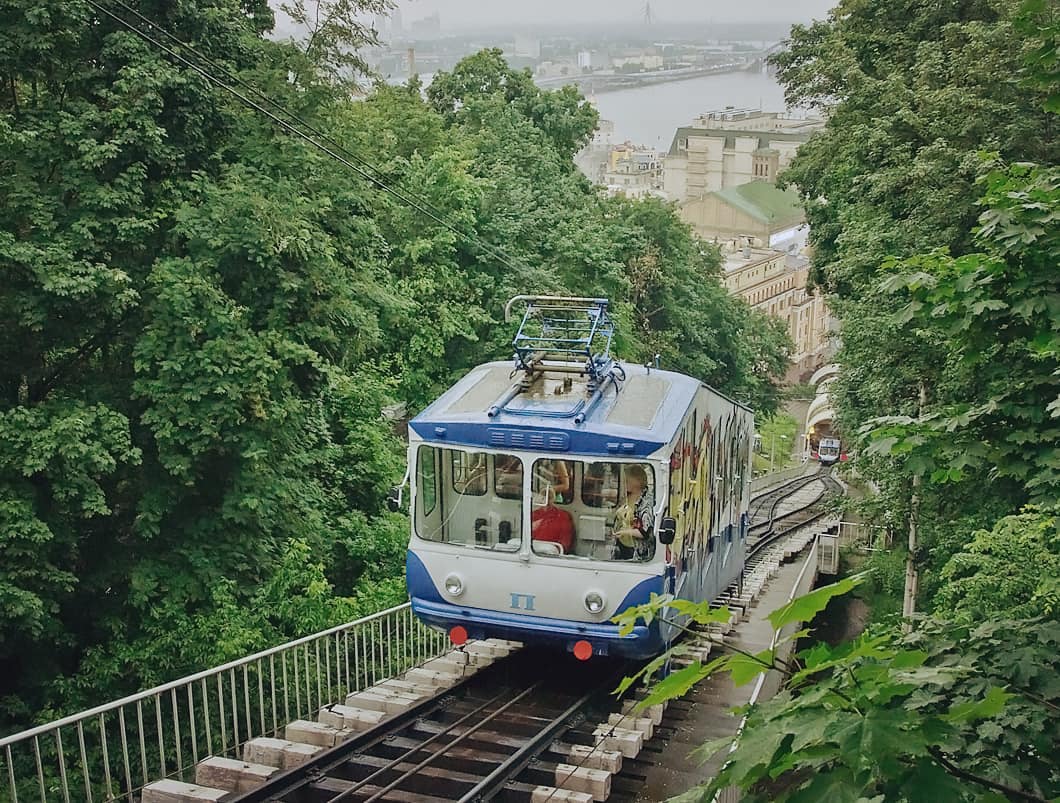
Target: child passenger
pixel 635 519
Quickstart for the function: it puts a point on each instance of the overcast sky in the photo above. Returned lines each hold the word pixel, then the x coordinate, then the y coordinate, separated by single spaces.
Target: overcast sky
pixel 475 13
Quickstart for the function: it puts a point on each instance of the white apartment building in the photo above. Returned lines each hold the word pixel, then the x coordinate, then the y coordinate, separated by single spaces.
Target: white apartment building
pixel 727 148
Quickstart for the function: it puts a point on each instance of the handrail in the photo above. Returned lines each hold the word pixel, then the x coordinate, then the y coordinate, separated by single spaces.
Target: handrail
pixel 113 750
pixel 565 299
pixel 148 694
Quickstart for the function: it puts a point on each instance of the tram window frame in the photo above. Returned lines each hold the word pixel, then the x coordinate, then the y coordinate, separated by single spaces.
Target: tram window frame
pixel 608 509
pixel 457 456
pixel 466 519
pixel 421 453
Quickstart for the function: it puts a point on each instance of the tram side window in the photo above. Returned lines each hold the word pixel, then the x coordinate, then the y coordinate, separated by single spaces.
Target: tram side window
pixel 469 473
pixel 616 517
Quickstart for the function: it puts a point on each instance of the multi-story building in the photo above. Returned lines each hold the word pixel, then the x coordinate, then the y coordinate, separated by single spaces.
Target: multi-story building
pixel 727 148
pixel 594 159
pixel 774 282
pixel 633 170
pixel 527 47
pixel 758 213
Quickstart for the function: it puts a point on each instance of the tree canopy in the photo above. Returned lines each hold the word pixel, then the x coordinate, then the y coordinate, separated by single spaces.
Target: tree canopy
pixel 205 318
pixel 932 196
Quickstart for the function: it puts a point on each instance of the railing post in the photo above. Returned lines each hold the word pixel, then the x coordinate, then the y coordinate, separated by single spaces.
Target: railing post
pixel 381 644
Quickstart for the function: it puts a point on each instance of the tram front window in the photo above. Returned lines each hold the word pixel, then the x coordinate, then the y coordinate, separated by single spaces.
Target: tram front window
pixel 606 510
pixel 469 498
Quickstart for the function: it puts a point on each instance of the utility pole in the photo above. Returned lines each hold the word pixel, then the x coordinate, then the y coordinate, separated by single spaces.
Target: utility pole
pixel 912 577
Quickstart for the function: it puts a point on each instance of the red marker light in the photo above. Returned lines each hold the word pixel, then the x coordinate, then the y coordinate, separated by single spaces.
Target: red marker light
pixel 583 650
pixel 458 635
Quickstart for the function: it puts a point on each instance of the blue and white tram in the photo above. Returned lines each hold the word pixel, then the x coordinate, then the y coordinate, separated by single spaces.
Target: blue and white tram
pixel 547 499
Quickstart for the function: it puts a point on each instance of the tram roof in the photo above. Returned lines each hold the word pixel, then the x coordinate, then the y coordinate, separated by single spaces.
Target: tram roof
pixel 636 420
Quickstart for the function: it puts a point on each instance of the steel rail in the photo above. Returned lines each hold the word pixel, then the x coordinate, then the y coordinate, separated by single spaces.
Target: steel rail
pixel 435 756
pixel 778 495
pixel 520 759
pixel 283 784
pixel 772 537
pixel 404 757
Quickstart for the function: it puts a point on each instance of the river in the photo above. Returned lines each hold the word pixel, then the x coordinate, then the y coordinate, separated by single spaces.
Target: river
pixel 649 115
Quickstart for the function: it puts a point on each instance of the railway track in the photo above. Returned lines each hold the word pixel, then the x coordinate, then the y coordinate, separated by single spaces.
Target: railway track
pixel 531 725
pixel 493 737
pixel 800 496
pixel 764 506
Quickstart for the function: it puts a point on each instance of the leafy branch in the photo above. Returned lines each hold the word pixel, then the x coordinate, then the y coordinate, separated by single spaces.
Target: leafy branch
pixel 863 714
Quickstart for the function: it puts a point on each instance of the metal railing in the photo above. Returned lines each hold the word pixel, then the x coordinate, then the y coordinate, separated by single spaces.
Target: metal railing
pixel 803 584
pixel 112 751
pixel 864 536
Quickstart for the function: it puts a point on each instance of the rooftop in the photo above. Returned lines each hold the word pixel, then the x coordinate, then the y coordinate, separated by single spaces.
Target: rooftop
pixel 768 127
pixel 764 202
pixel 737 260
pixel 643 413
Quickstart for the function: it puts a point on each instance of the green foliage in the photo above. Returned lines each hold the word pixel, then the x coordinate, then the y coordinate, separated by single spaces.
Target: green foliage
pixel 205 320
pixel 950 81
pixel 779 435
pixel 999 311
pixel 482 81
pixel 742 666
pixel 935 234
pixel 1011 570
pixel 941 261
pixel 335 32
pixel 950 712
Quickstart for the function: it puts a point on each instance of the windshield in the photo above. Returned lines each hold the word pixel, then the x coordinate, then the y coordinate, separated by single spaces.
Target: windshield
pixel 602 510
pixel 469 498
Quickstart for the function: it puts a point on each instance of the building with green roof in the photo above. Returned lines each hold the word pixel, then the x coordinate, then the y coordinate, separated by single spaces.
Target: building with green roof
pixel 757 211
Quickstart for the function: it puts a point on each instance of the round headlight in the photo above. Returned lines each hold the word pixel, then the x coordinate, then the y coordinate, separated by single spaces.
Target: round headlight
pixel 454 586
pixel 594 602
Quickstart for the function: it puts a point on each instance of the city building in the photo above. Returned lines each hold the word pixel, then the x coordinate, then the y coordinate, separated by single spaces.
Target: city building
pixel 594 159
pixel 641 61
pixel 428 27
pixel 757 212
pixel 585 60
pixel 556 69
pixel 774 282
pixel 722 149
pixel 632 170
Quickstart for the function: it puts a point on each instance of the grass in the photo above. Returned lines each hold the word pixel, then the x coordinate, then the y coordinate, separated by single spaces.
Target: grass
pixel 778 432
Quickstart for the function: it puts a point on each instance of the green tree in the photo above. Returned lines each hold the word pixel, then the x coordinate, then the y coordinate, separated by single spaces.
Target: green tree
pixel 190 305
pixel 566 118
pixel 1011 570
pixel 962 712
pixel 206 318
pixel 895 190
